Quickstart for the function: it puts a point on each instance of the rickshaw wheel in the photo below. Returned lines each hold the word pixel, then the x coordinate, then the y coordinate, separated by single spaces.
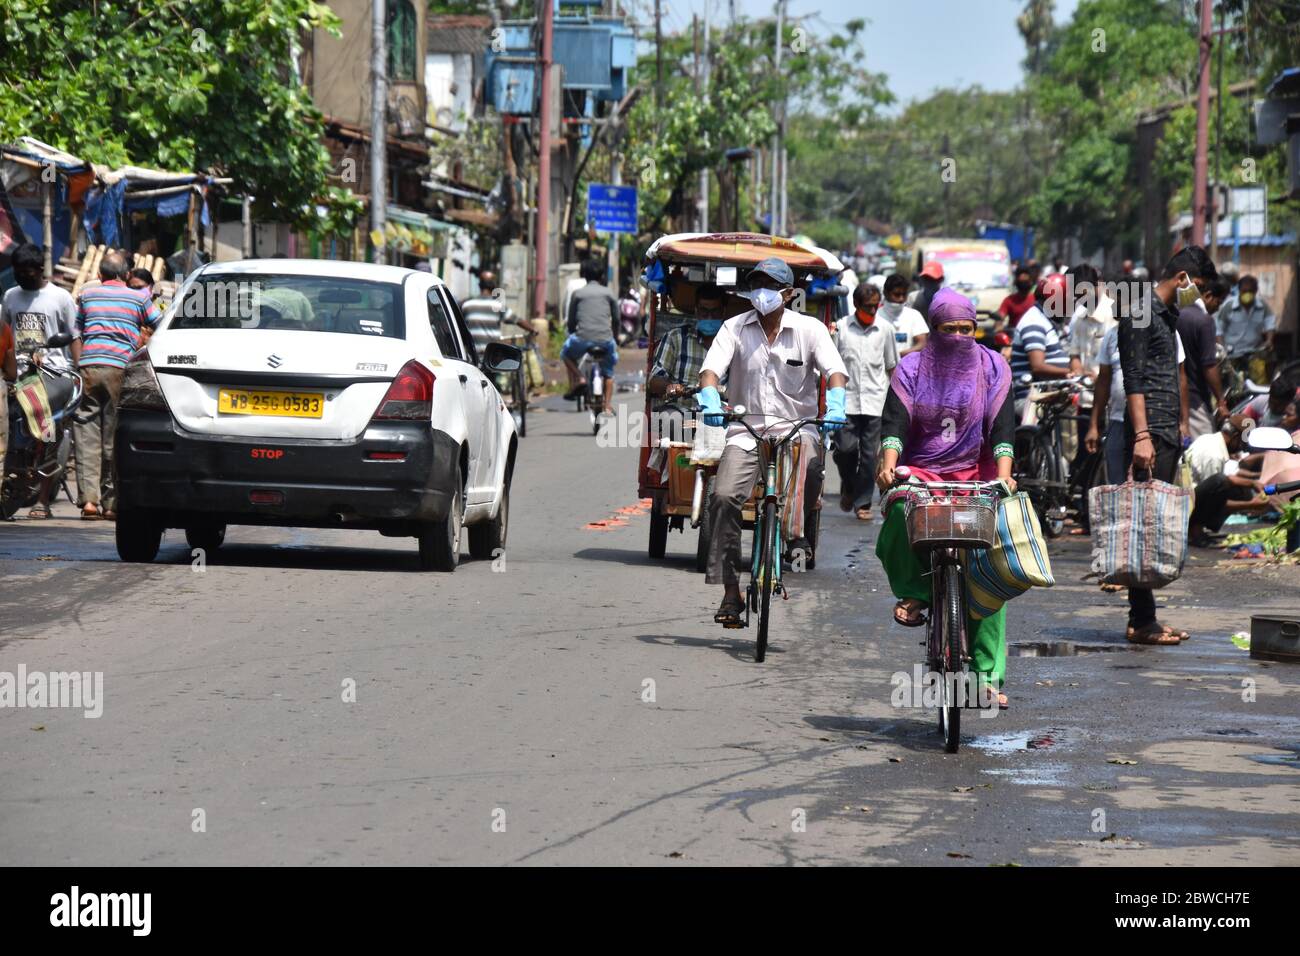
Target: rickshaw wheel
pixel 658 529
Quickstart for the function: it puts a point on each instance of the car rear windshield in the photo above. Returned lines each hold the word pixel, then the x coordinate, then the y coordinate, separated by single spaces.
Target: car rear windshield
pixel 302 303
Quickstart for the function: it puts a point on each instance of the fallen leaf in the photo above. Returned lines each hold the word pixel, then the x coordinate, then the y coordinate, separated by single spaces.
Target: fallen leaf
pixel 895 759
pixel 676 854
pixel 825 739
pixel 39 727
pixel 865 809
pixel 1122 763
pixel 961 790
pixel 961 856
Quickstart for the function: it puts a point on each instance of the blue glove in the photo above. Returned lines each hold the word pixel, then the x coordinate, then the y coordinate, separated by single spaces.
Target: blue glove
pixel 710 404
pixel 834 419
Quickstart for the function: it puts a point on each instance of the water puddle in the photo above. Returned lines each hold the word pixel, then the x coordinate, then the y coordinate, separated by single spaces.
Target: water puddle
pixel 1039 775
pixel 1002 744
pixel 1281 760
pixel 1061 649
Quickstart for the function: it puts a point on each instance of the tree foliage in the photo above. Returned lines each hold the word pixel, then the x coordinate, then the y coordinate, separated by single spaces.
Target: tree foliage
pixel 174 84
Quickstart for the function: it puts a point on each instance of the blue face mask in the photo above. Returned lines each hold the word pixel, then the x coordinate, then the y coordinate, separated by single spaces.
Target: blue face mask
pixel 708 327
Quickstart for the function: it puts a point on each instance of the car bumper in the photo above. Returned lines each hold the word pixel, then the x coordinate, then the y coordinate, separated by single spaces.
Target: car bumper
pixel 178 476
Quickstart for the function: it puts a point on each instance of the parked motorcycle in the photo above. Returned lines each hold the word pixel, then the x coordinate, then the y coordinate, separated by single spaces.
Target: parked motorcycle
pixel 629 321
pixel 29 460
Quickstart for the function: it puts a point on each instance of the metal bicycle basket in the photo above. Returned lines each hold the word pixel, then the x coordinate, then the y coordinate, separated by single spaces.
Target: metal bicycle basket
pixel 951 521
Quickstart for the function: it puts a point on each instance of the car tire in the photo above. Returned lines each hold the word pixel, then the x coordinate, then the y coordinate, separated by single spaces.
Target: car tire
pixel 487 538
pixel 440 540
pixel 206 537
pixel 138 538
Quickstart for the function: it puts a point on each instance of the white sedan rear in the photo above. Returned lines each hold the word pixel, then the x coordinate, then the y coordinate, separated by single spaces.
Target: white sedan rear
pixel 311 393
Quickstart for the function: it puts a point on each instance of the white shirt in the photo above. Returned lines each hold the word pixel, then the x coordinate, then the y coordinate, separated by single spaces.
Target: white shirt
pixel 908 324
pixel 1087 332
pixel 870 354
pixel 777 380
pixel 1207 456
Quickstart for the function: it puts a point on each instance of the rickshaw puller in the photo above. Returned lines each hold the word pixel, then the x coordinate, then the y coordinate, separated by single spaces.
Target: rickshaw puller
pixel 772 359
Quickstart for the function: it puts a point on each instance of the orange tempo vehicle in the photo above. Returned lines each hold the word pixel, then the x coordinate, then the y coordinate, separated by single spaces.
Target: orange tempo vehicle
pixel 676 266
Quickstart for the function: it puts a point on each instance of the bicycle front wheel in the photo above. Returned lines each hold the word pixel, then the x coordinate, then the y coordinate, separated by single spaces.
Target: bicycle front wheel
pixel 767 567
pixel 953 615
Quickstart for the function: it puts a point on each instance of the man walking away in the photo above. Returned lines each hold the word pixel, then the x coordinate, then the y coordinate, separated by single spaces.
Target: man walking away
pixel 113 319
pixel 866 343
pixel 36 311
pixel 1148 349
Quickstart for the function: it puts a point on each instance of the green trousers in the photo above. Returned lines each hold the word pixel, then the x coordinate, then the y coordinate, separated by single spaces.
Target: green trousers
pixel 909 579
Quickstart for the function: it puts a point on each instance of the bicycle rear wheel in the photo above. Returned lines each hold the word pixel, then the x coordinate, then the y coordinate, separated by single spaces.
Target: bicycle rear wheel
pixel 767 575
pixel 1044 468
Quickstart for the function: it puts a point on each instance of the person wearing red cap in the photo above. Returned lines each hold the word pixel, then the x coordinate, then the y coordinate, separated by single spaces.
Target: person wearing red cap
pixel 928 283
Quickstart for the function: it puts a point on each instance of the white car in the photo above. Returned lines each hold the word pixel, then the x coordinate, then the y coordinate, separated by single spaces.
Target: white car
pixel 309 393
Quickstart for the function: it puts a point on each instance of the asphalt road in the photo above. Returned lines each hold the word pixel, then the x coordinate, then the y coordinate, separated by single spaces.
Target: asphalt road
pixel 499 714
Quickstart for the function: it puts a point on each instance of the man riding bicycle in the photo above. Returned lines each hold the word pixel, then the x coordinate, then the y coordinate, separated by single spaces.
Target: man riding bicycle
pixel 772 358
pixel 592 323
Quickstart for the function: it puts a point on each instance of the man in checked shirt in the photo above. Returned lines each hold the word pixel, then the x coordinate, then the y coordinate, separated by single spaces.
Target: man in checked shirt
pixel 1148 353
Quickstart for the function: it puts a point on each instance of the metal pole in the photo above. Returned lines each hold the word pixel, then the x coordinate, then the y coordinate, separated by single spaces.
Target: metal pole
pixel 378 125
pixel 246 220
pixel 704 173
pixel 616 178
pixel 1199 186
pixel 773 207
pixel 544 166
pixel 659 60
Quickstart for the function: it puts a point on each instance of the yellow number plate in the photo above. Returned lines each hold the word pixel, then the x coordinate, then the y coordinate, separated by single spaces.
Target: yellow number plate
pixel 238 401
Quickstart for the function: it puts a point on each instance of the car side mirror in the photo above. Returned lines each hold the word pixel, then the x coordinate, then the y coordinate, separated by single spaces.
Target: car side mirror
pixel 1270 439
pixel 58 341
pixel 500 357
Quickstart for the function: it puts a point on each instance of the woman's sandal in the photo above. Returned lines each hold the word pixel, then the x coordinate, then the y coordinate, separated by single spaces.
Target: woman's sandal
pixel 90 512
pixel 1155 634
pixel 40 512
pixel 863 514
pixel 907 612
pixel 729 611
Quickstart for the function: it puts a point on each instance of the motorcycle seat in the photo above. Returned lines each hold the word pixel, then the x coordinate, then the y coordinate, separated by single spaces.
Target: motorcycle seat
pixel 599 351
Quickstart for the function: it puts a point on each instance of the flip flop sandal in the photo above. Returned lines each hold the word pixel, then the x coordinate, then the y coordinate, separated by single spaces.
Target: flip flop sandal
pixel 918 621
pixel 1112 588
pixel 1153 635
pixel 39 512
pixel 864 514
pixel 728 613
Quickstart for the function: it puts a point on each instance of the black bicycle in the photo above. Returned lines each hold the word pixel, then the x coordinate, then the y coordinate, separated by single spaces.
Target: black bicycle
pixel 1041 470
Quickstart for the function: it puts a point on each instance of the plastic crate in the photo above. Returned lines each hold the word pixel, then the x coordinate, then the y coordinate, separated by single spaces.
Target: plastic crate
pixel 967 521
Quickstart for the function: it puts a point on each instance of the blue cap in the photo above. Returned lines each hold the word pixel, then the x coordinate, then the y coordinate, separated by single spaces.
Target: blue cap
pixel 777 269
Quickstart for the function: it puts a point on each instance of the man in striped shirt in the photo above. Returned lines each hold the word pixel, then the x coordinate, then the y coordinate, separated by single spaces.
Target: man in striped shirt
pixel 113 319
pixel 1039 346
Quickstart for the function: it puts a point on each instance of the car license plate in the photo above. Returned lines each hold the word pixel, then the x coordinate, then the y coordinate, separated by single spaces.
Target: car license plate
pixel 239 401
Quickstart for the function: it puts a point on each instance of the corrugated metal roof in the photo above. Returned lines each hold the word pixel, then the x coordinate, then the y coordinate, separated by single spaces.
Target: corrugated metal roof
pixel 1283 239
pixel 458 34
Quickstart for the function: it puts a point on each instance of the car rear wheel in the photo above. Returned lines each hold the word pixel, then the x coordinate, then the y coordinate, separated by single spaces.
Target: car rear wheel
pixel 207 537
pixel 487 538
pixel 440 540
pixel 138 537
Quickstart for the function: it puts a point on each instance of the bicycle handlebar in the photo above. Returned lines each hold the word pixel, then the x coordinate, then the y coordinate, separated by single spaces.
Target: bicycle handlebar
pixel 795 429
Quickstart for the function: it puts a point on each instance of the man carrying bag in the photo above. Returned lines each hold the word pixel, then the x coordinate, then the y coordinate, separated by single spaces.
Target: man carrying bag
pixel 1156 508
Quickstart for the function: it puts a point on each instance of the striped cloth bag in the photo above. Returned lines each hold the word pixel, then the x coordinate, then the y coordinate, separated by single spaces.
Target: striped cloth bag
pixel 1139 532
pixel 1017 561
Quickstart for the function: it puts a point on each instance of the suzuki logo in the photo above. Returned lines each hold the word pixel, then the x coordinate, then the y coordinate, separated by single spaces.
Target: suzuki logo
pixel 274 360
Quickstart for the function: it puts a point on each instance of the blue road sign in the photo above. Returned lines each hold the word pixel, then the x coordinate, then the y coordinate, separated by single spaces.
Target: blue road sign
pixel 611 208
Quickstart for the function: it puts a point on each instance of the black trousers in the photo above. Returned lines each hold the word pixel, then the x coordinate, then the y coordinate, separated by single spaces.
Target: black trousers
pixel 1141 601
pixel 857 445
pixel 1212 497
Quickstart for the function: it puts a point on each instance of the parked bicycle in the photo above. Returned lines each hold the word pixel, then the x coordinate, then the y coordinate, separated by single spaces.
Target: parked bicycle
pixel 777 466
pixel 1041 469
pixel 946 519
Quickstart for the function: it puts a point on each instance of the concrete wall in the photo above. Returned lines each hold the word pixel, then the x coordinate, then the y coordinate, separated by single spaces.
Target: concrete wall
pixel 340 69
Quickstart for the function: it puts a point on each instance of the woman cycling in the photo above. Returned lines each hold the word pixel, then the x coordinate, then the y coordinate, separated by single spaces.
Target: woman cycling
pixel 949 416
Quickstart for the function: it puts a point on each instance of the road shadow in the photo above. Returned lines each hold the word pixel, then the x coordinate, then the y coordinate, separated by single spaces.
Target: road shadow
pixel 739 649
pixel 672 562
pixel 314 558
pixel 916 731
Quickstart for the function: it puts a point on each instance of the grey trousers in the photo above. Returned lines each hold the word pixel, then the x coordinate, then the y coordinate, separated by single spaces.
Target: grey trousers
pixel 737 473
pixel 93 424
pixel 1199 420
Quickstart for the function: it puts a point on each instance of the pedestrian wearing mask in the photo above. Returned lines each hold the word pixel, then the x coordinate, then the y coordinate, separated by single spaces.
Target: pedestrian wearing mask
pixel 866 343
pixel 1245 323
pixel 1019 302
pixel 910 328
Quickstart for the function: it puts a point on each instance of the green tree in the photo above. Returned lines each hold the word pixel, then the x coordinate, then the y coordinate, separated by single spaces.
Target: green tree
pixel 175 84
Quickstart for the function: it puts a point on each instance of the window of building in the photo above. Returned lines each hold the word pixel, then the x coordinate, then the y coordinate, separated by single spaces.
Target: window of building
pixel 401 40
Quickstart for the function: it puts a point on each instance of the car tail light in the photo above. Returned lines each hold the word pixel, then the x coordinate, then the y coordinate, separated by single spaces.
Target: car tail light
pixel 140 385
pixel 410 397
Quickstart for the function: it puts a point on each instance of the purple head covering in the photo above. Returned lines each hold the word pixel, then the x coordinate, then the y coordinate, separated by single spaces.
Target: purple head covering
pixel 952 390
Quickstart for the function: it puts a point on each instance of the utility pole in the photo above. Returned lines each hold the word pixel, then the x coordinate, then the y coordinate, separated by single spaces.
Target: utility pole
pixel 1200 190
pixel 659 60
pixel 378 125
pixel 615 178
pixel 774 208
pixel 1218 144
pixel 544 166
pixel 947 187
pixel 704 173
